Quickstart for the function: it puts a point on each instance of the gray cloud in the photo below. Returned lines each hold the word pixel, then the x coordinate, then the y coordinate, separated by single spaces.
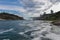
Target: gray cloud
pixel 54 1
pixel 58 0
pixel 27 3
pixel 37 6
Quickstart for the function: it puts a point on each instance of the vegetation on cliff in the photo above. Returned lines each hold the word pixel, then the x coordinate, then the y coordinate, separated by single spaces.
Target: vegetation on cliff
pixel 52 16
pixel 7 16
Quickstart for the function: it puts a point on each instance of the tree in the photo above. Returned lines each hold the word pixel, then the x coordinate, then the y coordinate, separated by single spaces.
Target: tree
pixel 44 13
pixel 52 12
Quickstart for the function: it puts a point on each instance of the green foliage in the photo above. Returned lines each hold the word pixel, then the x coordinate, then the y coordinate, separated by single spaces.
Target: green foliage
pixel 54 16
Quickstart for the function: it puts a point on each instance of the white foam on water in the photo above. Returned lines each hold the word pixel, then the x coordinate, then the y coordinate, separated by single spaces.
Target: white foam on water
pixel 43 29
pixel 53 36
pixel 6 31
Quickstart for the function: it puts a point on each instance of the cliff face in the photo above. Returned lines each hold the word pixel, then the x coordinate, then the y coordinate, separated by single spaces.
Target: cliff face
pixel 7 16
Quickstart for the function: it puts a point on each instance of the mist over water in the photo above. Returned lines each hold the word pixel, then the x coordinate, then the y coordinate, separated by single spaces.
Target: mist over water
pixel 29 30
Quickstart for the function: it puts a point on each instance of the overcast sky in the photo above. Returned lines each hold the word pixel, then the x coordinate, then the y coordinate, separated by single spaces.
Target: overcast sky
pixel 29 8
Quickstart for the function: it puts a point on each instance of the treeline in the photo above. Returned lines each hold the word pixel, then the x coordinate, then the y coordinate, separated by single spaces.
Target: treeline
pixel 51 16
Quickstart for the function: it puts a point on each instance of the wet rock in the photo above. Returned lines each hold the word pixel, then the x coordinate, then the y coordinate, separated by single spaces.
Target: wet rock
pixel 57 23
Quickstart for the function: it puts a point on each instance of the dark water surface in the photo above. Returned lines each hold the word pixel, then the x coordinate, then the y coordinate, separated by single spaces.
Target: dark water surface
pixel 28 30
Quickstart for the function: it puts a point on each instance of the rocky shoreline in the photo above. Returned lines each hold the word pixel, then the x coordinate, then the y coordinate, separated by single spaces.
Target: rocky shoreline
pixel 57 23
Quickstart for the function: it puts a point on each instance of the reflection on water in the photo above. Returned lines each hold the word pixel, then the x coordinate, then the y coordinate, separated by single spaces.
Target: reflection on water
pixel 6 39
pixel 28 30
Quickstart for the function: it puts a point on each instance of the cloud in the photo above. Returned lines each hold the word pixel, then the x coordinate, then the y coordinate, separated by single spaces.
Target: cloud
pixel 16 8
pixel 55 8
pixel 37 7
pixel 31 7
pixel 53 1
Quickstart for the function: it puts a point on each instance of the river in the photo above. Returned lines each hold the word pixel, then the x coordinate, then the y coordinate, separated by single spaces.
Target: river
pixel 28 30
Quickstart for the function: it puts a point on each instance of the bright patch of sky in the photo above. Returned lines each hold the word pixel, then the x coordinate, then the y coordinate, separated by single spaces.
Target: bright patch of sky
pixel 28 8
